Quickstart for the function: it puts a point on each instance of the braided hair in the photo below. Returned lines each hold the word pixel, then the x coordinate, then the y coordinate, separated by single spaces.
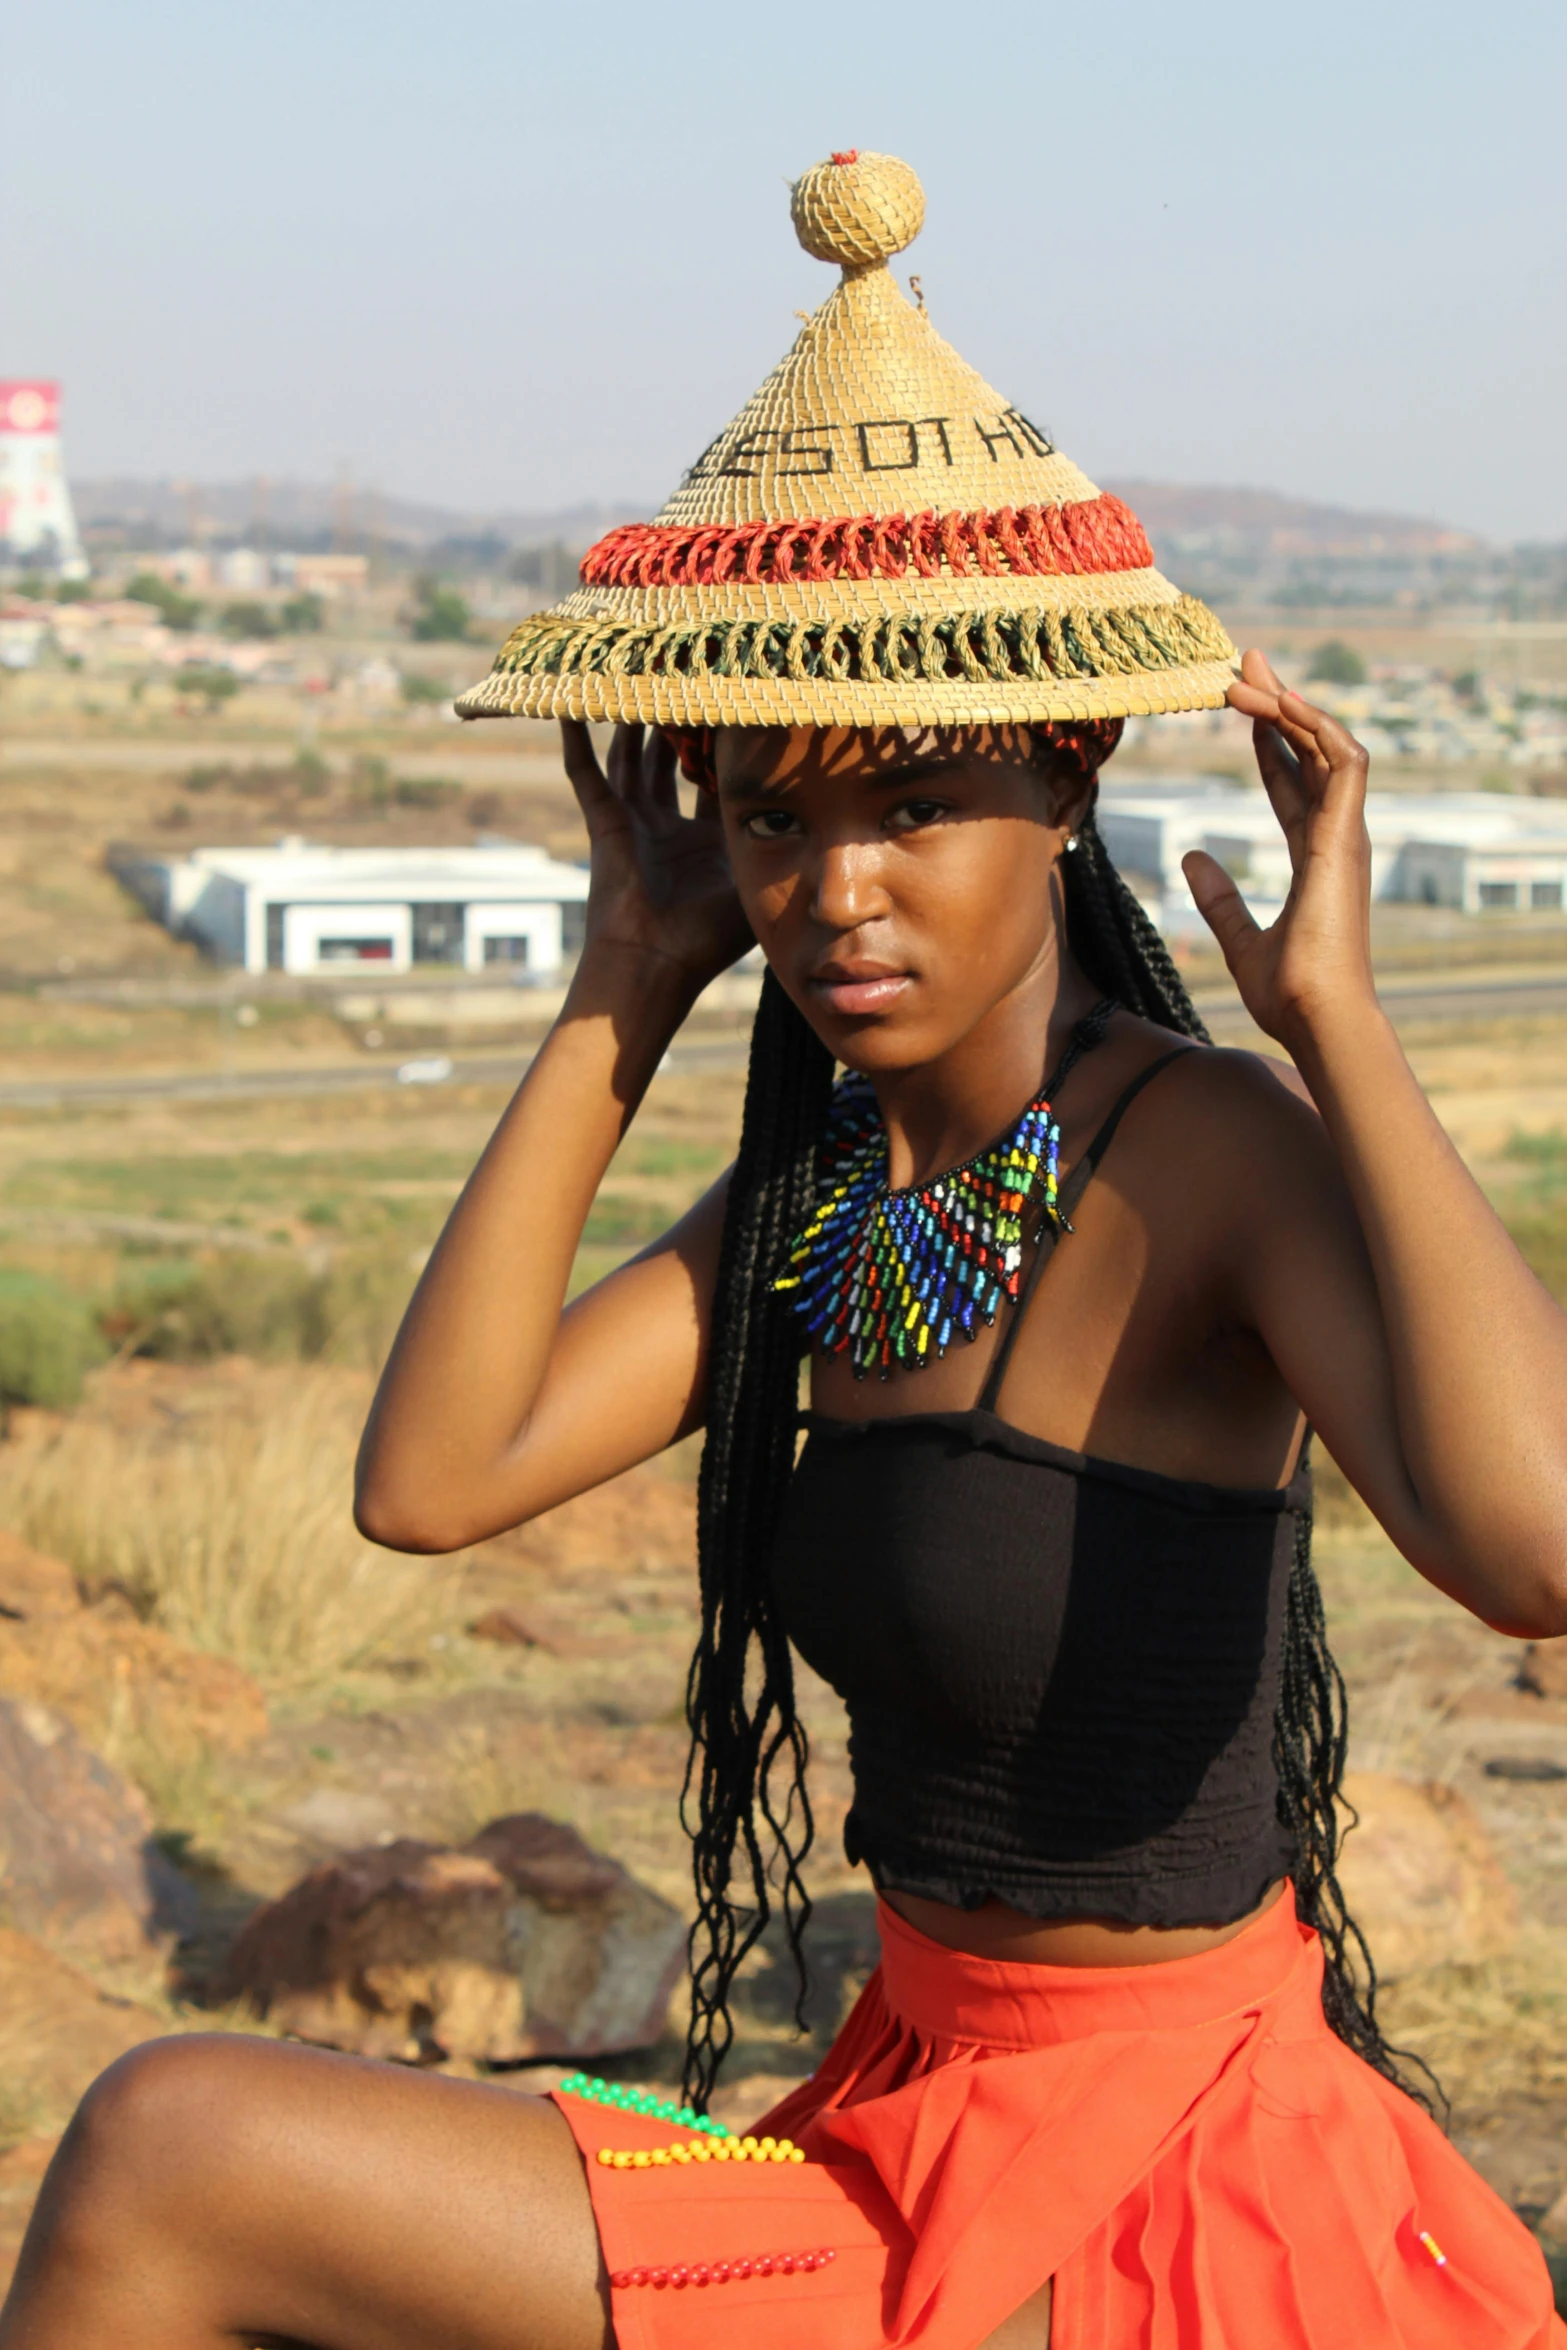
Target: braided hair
pixel 744 1802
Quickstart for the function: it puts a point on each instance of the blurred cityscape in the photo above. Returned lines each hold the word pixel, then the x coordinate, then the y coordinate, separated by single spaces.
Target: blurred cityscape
pixel 1441 650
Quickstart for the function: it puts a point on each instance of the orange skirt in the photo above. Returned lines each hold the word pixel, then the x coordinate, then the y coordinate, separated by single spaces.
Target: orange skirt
pixel 1185 2148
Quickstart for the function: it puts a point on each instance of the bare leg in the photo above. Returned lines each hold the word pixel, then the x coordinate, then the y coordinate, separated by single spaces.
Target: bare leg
pixel 215 2191
pixel 1028 2328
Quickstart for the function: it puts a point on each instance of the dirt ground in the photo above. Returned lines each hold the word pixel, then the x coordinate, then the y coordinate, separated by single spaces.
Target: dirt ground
pixel 435 1731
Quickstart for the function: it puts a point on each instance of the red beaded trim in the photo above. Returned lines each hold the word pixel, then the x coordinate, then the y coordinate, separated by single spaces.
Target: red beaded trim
pixel 723 2272
pixel 1091 535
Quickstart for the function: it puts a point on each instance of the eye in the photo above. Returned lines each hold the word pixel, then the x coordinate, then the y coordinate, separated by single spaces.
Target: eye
pixel 770 824
pixel 917 815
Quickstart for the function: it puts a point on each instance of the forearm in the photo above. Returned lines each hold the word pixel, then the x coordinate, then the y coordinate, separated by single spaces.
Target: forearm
pixel 467 1366
pixel 1478 1350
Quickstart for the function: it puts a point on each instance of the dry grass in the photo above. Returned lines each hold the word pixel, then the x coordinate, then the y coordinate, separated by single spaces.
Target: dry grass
pixel 234 1535
pixel 1490 2033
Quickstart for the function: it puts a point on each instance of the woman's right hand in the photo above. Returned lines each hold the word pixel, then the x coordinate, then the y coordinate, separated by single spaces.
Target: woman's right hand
pixel 660 883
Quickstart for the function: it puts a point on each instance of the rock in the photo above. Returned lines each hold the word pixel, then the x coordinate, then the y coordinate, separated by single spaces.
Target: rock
pixel 1554 2224
pixel 77 1865
pixel 1544 1668
pixel 111 1675
pixel 32 1584
pixel 57 2033
pixel 514 1630
pixel 340 1818
pixel 510 1628
pixel 523 1944
pixel 1420 1876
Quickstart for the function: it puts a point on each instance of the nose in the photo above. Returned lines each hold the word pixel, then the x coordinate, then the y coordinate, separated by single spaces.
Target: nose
pixel 847 888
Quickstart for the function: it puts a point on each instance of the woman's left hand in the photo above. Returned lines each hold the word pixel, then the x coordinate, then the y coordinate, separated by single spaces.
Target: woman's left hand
pixel 1317 955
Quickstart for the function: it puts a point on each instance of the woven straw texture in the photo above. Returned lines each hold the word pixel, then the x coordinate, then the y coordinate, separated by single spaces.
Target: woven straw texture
pixel 877 539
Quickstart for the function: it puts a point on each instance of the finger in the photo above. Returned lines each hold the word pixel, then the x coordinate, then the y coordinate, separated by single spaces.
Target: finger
pixel 1333 764
pixel 1220 904
pixel 583 771
pixel 659 766
pixel 625 762
pixel 1253 701
pixel 1284 784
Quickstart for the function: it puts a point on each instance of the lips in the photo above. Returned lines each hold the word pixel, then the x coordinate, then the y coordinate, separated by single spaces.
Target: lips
pixel 859 989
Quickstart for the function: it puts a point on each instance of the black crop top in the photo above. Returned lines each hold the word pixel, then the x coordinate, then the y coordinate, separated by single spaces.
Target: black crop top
pixel 1060 1673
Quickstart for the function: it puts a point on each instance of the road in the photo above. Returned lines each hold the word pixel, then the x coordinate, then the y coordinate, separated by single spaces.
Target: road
pixel 1408 999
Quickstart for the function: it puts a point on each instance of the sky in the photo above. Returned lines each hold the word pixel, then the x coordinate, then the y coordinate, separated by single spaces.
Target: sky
pixel 509 257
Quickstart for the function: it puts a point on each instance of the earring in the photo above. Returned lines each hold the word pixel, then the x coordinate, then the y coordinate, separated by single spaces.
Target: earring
pixel 1070 843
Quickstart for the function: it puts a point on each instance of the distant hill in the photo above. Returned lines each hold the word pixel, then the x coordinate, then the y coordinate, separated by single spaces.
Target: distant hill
pixel 1261 521
pixel 293 513
pixel 304 514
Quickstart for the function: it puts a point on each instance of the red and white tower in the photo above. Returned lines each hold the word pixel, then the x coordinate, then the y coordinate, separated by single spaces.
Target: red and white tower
pixel 36 521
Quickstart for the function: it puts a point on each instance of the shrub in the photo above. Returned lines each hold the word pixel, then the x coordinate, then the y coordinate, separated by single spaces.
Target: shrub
pixel 248 619
pixel 266 1306
pixel 179 610
pixel 364 1297
pixel 425 791
pixel 237 1537
pixel 213 684
pixel 303 615
pixel 1336 663
pixel 440 614
pixel 271 1307
pixel 49 1341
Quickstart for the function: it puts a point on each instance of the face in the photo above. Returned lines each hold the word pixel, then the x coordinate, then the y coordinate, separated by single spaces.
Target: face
pixel 900 882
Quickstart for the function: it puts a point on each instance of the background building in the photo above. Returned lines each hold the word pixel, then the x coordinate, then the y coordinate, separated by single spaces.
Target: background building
pixel 303 908
pixel 36 521
pixel 1479 852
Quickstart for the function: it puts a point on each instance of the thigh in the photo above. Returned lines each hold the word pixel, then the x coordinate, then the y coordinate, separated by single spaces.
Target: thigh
pixel 1028 2328
pixel 331 2201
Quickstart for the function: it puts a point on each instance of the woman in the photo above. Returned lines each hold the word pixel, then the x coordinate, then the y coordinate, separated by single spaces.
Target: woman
pixel 1115 2082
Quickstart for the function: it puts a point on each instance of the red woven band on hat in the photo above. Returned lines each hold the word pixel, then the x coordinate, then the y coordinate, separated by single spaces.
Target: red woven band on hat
pixel 1083 743
pixel 1032 542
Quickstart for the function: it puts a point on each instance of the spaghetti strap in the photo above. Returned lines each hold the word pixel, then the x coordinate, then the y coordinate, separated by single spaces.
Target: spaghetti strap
pixel 1071 1192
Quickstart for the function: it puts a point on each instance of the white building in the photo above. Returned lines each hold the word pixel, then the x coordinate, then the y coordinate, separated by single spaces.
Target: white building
pixel 303 908
pixel 1481 852
pixel 36 519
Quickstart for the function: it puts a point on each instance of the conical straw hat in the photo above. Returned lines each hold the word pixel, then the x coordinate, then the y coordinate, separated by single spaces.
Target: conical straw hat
pixel 877 539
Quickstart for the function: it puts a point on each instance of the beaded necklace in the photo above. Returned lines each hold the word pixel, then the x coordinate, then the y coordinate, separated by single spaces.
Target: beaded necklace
pixel 890 1278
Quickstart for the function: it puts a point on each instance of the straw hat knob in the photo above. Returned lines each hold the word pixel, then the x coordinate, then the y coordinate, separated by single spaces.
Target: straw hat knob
pixel 857 209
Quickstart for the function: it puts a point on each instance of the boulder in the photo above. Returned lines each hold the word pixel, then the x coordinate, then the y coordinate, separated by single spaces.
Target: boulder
pixel 511 1628
pixel 523 1943
pixel 110 1674
pixel 1554 2224
pixel 1420 1876
pixel 77 1864
pixel 1544 1668
pixel 58 2031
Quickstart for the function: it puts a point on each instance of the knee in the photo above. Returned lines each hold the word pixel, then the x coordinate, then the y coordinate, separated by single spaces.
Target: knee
pixel 146 2134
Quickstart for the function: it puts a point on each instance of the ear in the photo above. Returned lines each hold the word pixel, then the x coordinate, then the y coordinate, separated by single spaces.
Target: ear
pixel 1073 797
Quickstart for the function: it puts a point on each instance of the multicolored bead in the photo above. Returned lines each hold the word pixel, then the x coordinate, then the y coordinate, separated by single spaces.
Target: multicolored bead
pixel 626 2099
pixel 723 2272
pixel 700 2150
pixel 892 1277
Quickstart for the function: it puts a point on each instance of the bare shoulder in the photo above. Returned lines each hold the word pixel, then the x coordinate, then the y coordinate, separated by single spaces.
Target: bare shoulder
pixel 1239 1116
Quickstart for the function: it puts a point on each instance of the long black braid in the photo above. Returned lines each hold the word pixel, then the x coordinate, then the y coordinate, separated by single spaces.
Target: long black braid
pixel 748 1750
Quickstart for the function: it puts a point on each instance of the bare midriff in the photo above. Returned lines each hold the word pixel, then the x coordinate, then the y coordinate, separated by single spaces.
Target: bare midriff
pixel 995 1931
